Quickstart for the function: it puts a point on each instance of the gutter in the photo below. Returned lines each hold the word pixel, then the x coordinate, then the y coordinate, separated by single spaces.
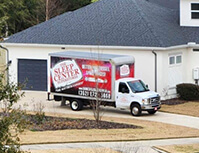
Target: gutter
pixel 82 46
pixel 188 45
pixel 155 69
pixel 7 62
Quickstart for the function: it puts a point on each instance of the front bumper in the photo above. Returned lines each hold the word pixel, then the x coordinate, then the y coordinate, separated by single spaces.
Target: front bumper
pixel 151 107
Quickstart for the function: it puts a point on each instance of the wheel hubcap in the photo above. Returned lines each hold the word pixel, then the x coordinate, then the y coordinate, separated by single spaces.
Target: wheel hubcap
pixel 135 110
pixel 74 105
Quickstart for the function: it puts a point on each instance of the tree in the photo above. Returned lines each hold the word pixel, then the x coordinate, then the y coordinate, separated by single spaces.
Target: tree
pixel 93 1
pixel 12 121
pixel 97 102
pixel 53 8
pixel 3 19
pixel 17 15
pixel 57 7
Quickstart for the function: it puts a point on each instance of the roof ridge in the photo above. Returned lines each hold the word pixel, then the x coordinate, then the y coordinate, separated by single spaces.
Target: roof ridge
pixel 148 23
pixel 163 6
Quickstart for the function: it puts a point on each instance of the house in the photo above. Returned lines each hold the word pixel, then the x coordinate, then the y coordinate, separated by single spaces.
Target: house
pixel 161 35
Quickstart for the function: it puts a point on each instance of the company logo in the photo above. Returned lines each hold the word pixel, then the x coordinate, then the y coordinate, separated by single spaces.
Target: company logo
pixel 124 70
pixel 65 73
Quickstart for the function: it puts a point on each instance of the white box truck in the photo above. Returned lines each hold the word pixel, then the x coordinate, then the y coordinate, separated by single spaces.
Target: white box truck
pixel 81 77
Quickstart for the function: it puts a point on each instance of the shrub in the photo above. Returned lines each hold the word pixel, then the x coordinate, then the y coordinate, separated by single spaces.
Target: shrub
pixel 12 121
pixel 188 91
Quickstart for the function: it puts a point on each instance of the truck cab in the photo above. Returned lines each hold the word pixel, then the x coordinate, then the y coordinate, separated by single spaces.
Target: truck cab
pixel 133 94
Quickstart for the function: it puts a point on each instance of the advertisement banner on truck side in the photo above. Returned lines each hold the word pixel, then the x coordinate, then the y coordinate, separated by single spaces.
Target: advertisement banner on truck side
pixel 81 77
pixel 85 77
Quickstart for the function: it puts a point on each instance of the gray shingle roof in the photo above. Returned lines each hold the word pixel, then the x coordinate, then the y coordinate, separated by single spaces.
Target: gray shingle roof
pixel 152 23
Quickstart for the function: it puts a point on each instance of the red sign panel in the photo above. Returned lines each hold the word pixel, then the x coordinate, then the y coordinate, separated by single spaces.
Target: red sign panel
pixel 124 71
pixel 81 77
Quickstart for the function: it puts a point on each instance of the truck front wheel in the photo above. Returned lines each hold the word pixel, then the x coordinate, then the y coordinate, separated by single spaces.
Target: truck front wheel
pixel 76 105
pixel 136 110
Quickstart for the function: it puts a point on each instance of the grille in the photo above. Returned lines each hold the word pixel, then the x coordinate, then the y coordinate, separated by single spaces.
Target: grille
pixel 154 100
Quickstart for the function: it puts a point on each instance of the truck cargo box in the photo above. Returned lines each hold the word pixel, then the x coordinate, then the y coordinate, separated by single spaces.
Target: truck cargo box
pixel 84 74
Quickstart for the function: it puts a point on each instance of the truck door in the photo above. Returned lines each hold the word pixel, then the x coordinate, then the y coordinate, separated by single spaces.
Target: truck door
pixel 123 96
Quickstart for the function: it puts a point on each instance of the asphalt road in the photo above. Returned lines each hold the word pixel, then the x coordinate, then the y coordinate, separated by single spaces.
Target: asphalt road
pixel 124 147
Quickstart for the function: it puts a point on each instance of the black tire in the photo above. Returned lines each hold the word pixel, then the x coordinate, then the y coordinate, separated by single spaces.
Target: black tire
pixel 57 98
pixel 151 111
pixel 76 105
pixel 63 101
pixel 136 110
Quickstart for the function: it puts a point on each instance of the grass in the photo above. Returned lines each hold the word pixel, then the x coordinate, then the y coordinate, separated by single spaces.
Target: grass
pixel 189 108
pixel 191 148
pixel 151 130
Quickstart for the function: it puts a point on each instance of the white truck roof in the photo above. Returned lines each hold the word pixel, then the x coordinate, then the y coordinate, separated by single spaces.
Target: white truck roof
pixel 128 79
pixel 115 59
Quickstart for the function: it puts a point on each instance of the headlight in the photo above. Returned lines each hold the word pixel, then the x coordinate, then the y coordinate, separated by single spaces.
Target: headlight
pixel 146 101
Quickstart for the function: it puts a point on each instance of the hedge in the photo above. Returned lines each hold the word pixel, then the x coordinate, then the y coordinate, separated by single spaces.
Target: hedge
pixel 188 91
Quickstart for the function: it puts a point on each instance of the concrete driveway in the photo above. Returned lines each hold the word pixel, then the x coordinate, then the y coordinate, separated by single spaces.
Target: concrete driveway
pixel 34 101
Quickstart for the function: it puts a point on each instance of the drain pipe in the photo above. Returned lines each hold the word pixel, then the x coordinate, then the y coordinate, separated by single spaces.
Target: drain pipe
pixel 8 62
pixel 155 70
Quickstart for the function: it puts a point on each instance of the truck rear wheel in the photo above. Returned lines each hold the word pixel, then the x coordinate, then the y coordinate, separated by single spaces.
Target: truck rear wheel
pixel 136 110
pixel 76 105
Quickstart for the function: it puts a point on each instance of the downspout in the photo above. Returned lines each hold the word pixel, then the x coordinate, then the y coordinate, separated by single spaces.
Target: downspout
pixel 155 70
pixel 7 62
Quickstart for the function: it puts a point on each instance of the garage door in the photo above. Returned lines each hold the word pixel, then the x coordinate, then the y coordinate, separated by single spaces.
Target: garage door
pixel 34 72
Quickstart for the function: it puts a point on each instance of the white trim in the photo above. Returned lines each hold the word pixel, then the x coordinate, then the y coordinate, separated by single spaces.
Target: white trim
pixel 188 45
pixel 81 46
pixel 175 59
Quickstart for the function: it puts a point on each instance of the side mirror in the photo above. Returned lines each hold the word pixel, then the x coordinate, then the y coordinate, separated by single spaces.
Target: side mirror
pixel 147 86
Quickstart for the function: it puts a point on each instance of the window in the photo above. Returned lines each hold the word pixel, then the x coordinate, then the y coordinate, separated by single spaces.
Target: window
pixel 137 86
pixel 194 6
pixel 172 60
pixel 175 59
pixel 178 59
pixel 195 10
pixel 196 50
pixel 123 88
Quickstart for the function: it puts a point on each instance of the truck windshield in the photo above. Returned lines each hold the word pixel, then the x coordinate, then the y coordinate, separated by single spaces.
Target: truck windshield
pixel 137 86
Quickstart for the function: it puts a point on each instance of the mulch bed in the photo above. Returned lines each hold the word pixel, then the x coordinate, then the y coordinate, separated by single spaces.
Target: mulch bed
pixel 174 101
pixel 55 123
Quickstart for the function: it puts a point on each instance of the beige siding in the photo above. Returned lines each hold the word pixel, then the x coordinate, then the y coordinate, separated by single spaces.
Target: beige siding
pixel 2 61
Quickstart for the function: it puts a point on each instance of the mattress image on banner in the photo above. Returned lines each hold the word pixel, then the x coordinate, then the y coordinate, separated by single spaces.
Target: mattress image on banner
pixel 65 74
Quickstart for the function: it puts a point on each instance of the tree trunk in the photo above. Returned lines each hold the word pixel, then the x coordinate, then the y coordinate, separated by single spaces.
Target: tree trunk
pixel 6 33
pixel 47 10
